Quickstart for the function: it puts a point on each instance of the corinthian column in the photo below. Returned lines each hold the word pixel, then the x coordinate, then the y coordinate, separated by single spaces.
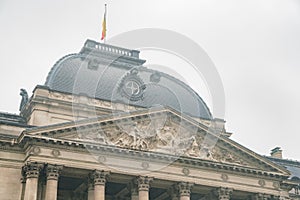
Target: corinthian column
pixel 52 172
pixel 222 193
pixel 99 184
pixel 143 183
pixel 184 190
pixel 32 171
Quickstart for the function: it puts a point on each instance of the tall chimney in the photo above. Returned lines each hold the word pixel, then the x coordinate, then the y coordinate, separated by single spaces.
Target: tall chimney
pixel 276 153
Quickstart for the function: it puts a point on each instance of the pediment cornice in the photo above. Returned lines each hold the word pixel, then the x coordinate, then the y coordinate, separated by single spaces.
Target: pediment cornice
pixel 178 136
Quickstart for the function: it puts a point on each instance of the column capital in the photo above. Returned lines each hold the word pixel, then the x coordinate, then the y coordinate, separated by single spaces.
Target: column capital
pixel 184 188
pixel 222 193
pixel 143 183
pixel 32 169
pixel 53 171
pixel 99 177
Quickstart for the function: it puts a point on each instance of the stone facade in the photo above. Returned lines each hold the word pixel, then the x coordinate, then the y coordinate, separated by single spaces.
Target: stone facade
pixel 55 150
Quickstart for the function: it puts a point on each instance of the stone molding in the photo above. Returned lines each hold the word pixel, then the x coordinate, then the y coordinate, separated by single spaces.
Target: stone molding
pixel 81 147
pixel 53 171
pixel 143 183
pixel 194 147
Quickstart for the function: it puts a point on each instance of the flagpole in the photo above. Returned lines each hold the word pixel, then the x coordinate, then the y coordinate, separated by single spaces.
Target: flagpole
pixel 105 23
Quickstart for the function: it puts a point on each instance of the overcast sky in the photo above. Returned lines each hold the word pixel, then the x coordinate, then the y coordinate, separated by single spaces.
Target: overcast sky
pixel 254 44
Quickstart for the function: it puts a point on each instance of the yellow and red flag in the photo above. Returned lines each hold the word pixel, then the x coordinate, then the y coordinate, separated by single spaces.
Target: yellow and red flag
pixel 104 25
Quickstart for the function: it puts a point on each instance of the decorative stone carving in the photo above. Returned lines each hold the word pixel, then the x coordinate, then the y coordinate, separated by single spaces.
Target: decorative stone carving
pixel 32 169
pixel 53 171
pixel 261 182
pixel 100 177
pixel 185 171
pixel 132 86
pixel 145 165
pixel 55 152
pixel 96 135
pixel 35 150
pixel 224 177
pixel 157 136
pixel 102 159
pixel 184 188
pixel 143 183
pixel 222 193
pixel 276 185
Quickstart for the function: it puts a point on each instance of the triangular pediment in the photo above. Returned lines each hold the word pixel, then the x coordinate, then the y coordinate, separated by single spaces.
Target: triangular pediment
pixel 163 131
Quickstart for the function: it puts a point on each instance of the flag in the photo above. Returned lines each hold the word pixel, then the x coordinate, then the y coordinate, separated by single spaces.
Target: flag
pixel 104 25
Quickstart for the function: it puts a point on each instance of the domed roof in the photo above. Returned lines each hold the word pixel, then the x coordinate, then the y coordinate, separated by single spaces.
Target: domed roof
pixel 116 74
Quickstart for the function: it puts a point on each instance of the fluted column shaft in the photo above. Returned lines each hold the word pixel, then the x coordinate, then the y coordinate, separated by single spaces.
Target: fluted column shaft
pixel 52 172
pixel 32 171
pixel 184 190
pixel 143 183
pixel 99 184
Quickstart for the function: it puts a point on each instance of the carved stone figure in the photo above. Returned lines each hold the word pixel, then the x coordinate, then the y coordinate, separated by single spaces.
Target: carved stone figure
pixel 24 100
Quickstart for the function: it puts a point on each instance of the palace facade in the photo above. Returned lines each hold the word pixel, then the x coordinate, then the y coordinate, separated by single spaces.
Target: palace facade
pixel 105 127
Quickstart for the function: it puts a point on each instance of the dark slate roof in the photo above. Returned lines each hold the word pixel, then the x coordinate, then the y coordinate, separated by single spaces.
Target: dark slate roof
pixel 99 70
pixel 291 165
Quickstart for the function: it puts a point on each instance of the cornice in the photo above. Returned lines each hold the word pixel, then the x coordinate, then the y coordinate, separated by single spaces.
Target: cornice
pixel 155 156
pixel 108 120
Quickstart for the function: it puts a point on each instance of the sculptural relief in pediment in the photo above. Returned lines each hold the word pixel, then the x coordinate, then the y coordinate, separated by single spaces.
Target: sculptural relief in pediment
pixel 160 136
